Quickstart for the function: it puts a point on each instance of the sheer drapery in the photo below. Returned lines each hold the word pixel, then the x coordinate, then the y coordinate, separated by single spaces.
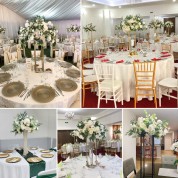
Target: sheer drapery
pixel 11 21
pixel 62 26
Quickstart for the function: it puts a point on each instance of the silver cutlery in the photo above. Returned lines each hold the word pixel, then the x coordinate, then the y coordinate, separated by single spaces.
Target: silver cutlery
pixel 60 91
pixel 23 92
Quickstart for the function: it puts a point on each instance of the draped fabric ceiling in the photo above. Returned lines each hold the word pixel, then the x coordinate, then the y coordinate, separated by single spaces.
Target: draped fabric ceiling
pixel 50 9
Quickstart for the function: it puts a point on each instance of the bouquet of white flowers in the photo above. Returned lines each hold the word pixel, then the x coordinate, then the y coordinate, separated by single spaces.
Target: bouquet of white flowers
pixel 23 122
pixel 133 23
pixel 117 132
pixel 175 146
pixel 148 125
pixel 169 24
pixel 73 28
pixel 156 24
pixel 2 30
pixel 37 30
pixel 90 129
pixel 89 28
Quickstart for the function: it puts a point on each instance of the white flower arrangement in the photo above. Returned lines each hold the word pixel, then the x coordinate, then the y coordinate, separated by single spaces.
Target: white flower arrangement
pixel 148 125
pixel 23 122
pixel 132 24
pixel 117 132
pixel 89 28
pixel 38 31
pixel 156 24
pixel 73 28
pixel 2 30
pixel 169 24
pixel 174 146
pixel 90 129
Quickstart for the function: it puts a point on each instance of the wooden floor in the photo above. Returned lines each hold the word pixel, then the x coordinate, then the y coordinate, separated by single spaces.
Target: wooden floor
pixel 157 160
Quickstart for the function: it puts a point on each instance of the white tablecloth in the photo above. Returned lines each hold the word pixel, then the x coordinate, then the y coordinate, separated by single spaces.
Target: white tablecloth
pixel 168 172
pixel 35 79
pixel 77 167
pixel 22 169
pixel 125 71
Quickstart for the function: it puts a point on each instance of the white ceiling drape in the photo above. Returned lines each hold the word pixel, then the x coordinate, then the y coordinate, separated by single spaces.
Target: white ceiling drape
pixel 50 9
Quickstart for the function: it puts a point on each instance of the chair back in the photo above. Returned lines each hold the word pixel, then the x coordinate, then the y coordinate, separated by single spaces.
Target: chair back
pixel 168 159
pixel 13 57
pixel 13 49
pixel 104 72
pixel 166 47
pixel 128 167
pixel 145 74
pixel 38 53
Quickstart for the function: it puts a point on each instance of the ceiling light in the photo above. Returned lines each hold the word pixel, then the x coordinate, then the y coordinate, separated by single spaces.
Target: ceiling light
pixel 174 0
pixel 93 118
pixel 93 5
pixel 69 115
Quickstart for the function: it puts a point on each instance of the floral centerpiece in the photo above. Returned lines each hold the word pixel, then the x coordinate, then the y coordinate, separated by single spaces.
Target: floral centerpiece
pixel 90 129
pixel 117 132
pixel 2 30
pixel 73 28
pixel 174 147
pixel 89 28
pixel 148 125
pixel 24 124
pixel 156 24
pixel 132 24
pixel 37 31
pixel 169 25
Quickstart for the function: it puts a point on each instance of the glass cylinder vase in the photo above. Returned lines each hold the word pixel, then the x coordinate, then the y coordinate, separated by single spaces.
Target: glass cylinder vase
pixel 25 142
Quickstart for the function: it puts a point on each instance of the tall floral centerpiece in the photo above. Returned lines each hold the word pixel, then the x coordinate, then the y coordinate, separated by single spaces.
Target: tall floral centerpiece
pixel 24 124
pixel 2 30
pixel 148 125
pixel 168 26
pixel 156 24
pixel 90 28
pixel 73 28
pixel 38 32
pixel 117 133
pixel 132 24
pixel 92 130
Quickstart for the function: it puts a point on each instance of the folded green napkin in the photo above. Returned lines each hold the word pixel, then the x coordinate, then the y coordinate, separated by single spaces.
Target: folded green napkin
pixel 47 176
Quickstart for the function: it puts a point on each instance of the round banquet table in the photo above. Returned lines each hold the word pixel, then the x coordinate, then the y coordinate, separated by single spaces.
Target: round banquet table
pixel 22 169
pixel 124 69
pixel 35 79
pixel 109 167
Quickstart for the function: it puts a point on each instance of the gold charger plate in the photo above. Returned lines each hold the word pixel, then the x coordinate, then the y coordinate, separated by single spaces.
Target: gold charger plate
pixel 47 155
pixel 13 89
pixel 4 77
pixel 13 160
pixel 4 155
pixel 73 73
pixel 66 85
pixel 33 148
pixel 46 151
pixel 43 94
pixel 65 64
pixel 8 67
pixel 8 151
pixel 34 160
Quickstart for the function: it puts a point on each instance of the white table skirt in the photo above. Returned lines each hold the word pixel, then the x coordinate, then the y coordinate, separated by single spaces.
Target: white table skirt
pixel 78 165
pixel 35 79
pixel 125 72
pixel 22 169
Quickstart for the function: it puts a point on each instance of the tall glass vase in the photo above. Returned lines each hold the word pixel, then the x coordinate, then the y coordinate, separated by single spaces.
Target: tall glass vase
pixel 25 144
pixel 142 157
pixel 152 156
pixel 42 58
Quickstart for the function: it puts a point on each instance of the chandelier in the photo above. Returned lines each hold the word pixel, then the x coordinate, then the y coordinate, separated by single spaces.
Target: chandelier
pixel 69 115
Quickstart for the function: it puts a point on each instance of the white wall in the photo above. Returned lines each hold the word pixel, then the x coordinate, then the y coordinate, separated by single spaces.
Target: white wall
pixel 11 21
pixel 104 19
pixel 129 143
pixel 46 117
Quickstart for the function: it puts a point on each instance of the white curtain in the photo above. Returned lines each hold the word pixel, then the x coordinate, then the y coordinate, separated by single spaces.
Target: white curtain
pixel 11 21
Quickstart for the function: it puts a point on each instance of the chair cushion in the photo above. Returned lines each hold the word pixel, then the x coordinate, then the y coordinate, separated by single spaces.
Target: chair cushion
pixel 88 66
pixel 90 78
pixel 88 72
pixel 106 85
pixel 168 82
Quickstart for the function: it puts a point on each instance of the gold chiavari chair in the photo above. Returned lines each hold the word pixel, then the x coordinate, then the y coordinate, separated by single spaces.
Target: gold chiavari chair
pixel 145 80
pixel 166 47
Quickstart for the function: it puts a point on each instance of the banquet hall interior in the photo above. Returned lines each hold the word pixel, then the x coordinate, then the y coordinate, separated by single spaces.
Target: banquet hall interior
pixel 89 143
pixel 40 53
pixel 129 53
pixel 27 143
pixel 164 150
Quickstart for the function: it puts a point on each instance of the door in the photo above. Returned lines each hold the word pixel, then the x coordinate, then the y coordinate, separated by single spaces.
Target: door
pixel 168 141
